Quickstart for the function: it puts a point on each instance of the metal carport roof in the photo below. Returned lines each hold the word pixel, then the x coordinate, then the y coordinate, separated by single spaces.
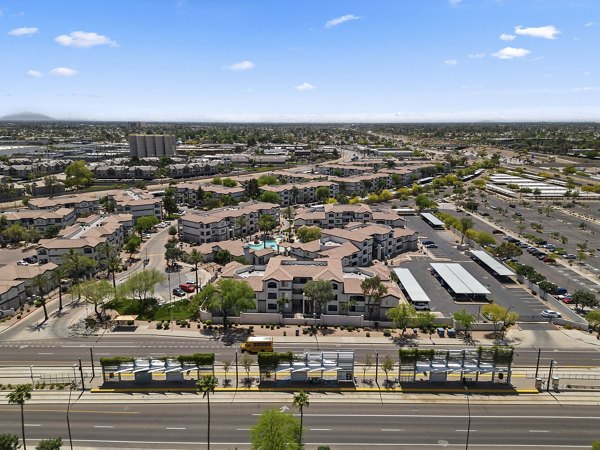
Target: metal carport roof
pixel 492 263
pixel 458 279
pixel 411 285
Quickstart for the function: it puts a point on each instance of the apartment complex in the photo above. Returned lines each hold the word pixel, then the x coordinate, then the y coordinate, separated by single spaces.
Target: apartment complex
pixel 16 283
pixel 224 223
pixel 340 215
pixel 188 192
pixel 301 193
pixel 85 237
pixel 285 277
pixel 42 219
pixel 138 204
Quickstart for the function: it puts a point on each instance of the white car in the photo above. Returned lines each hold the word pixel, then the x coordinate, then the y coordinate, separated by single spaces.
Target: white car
pixel 22 263
pixel 550 314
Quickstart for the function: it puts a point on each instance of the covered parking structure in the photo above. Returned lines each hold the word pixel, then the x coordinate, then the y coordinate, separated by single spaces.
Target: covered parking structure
pixel 411 286
pixel 460 282
pixel 492 264
pixel 433 221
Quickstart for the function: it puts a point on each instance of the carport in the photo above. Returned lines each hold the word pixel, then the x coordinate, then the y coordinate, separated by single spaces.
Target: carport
pixel 491 263
pixel 412 287
pixel 460 282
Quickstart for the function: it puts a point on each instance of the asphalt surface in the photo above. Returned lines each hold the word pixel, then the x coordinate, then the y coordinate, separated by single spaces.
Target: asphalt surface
pixel 356 425
pixel 65 353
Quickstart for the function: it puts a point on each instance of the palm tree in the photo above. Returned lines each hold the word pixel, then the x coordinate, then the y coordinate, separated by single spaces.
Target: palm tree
pixel 465 224
pixel 300 401
pixel 40 282
pixel 207 384
pixel 57 276
pixel 240 222
pixel 109 256
pixel 77 264
pixel 195 257
pixel 19 396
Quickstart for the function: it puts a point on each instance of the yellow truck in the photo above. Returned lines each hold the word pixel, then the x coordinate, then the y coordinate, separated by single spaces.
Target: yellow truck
pixel 255 344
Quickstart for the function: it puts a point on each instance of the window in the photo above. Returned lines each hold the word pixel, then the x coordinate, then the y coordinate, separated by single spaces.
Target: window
pixel 272 296
pixel 272 306
pixel 332 308
pixel 334 286
pixel 272 285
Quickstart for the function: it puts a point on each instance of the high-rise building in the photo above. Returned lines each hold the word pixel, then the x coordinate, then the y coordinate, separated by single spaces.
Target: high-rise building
pixel 144 146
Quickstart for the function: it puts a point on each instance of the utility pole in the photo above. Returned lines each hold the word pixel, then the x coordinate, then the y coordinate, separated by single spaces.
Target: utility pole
pixel 92 359
pixel 376 367
pixel 236 369
pixel 469 420
pixel 550 375
pixel 537 366
pixel 81 373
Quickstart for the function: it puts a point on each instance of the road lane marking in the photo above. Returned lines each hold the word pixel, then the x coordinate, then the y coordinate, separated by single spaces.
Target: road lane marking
pixel 175 428
pixel 103 426
pixel 466 431
pixel 320 429
pixel 45 353
pixel 33 425
pixel 393 429
pixel 539 431
pixel 243 429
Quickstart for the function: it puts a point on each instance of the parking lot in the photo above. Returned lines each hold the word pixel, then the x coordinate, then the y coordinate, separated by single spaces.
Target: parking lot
pixel 508 294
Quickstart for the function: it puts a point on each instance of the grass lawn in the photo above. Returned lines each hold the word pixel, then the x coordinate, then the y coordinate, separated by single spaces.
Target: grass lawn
pixel 181 309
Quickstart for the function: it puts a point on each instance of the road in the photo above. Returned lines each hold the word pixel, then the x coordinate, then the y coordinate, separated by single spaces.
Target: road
pixel 67 352
pixel 356 426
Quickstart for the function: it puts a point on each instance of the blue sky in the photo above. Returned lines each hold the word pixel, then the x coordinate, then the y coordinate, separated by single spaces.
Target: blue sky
pixel 312 60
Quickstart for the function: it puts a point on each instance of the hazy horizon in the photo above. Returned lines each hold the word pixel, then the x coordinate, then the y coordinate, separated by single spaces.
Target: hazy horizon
pixel 345 61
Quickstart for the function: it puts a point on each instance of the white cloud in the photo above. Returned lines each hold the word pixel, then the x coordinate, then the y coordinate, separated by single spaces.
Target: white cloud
pixel 23 31
pixel 243 65
pixel 510 53
pixel 477 55
pixel 507 37
pixel 304 87
pixel 590 24
pixel 340 20
pixel 34 74
pixel 451 62
pixel 547 32
pixel 63 72
pixel 83 39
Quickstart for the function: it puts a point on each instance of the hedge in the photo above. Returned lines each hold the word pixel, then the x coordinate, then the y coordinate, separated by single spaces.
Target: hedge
pixel 499 355
pixel 270 360
pixel 115 360
pixel 199 359
pixel 410 355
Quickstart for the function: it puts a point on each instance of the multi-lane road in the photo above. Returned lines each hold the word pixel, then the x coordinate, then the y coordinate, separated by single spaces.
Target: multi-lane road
pixel 339 425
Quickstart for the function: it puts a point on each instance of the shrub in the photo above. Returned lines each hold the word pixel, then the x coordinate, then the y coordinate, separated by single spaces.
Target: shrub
pixel 387 333
pixel 251 329
pixel 350 329
pixel 305 330
pixel 208 322
pixel 159 326
pixel 368 334
pixel 166 326
pixel 18 316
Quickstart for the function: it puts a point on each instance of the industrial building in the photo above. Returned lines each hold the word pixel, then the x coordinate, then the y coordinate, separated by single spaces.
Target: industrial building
pixel 145 146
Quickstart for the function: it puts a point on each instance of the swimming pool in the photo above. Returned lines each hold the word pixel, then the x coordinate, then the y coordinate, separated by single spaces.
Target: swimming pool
pixel 269 243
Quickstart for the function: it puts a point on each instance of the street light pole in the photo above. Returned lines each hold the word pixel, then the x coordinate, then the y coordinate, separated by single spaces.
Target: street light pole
pixel 537 366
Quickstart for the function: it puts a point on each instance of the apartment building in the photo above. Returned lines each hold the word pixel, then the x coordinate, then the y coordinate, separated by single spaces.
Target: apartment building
pixel 138 204
pixel 339 215
pixel 291 194
pixel 83 204
pixel 16 283
pixel 224 223
pixel 85 236
pixel 188 192
pixel 42 219
pixel 343 170
pixel 284 278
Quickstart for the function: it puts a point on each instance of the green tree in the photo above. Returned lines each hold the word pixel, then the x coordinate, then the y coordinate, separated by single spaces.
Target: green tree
pixel 596 445
pixel 318 293
pixel 77 265
pixel 424 202
pixel 267 179
pixel 426 320
pixel 322 193
pixel 374 290
pixel 195 257
pixel 57 276
pixel 15 233
pixel 465 223
pixel 50 444
pixel 141 285
pixel 266 223
pixel 96 292
pixel 169 202
pixel 145 223
pixel 228 297
pixel 584 299
pixel 269 197
pixel 228 182
pixel 465 319
pixel 40 283
pixel 300 401
pixel 132 245
pixel 308 234
pixel 51 182
pixel 252 189
pixel 9 442
pixel 593 318
pixel 387 366
pixel 207 385
pixel 19 396
pixel 500 316
pixel 275 430
pixel 401 315
pixel 223 257
pixel 78 175
pixel 508 250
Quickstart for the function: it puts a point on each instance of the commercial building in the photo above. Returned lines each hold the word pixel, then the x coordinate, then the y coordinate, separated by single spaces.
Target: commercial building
pixel 142 146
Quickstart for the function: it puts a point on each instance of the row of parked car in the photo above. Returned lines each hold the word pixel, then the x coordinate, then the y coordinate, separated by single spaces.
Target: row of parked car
pixel 537 252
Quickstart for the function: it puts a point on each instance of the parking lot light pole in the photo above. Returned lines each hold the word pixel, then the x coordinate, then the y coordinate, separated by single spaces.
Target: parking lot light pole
pixel 537 366
pixel 550 375
pixel 469 418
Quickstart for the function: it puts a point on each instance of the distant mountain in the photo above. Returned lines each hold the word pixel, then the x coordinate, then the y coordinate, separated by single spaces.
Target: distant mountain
pixel 27 117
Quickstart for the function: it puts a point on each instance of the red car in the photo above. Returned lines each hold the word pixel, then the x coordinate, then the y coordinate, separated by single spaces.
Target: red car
pixel 188 287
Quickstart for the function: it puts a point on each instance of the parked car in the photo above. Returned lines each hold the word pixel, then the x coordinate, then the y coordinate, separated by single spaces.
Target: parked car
pixel 569 256
pixel 550 314
pixel 561 291
pixel 518 214
pixel 485 214
pixel 512 205
pixel 187 287
pixel 496 231
pixel 178 292
pixel 428 242
pixel 22 263
pixel 432 245
pixel 549 260
pixel 566 298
